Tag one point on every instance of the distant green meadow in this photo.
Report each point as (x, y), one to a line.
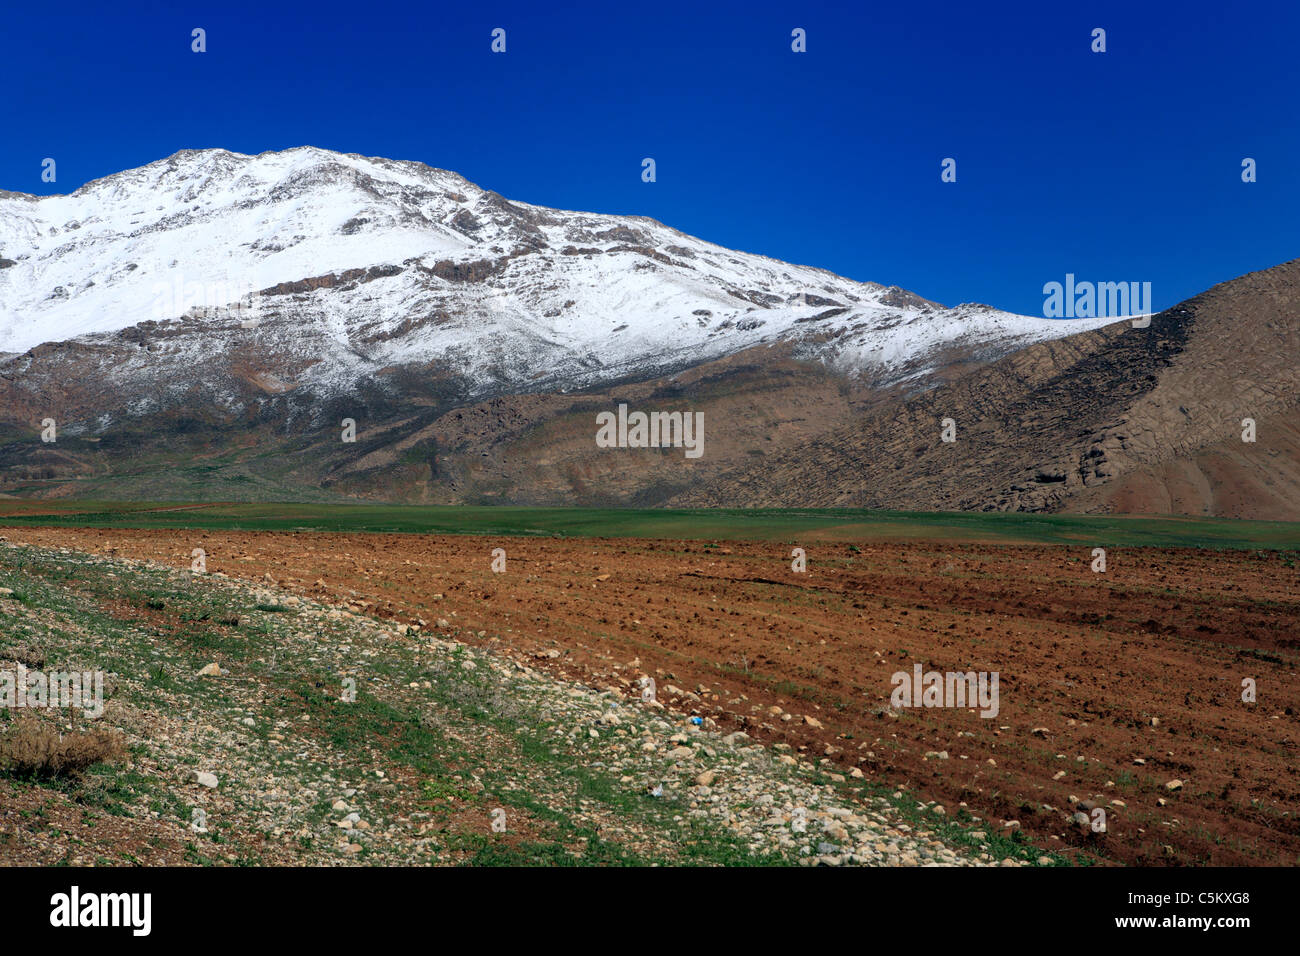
(831, 524)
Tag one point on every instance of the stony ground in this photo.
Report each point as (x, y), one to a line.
(245, 747)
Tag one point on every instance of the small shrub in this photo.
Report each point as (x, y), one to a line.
(31, 656)
(34, 748)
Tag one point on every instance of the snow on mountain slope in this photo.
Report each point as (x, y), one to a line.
(352, 265)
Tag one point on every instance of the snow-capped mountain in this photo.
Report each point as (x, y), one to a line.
(203, 327)
(324, 269)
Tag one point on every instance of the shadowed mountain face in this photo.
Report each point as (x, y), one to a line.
(1122, 419)
(202, 327)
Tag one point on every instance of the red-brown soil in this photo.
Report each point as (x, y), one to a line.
(1142, 662)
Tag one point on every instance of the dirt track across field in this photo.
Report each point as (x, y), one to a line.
(1119, 690)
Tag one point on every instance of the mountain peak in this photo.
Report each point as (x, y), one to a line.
(517, 289)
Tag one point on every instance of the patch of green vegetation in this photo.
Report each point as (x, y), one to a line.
(831, 524)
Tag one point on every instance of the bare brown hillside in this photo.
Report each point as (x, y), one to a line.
(1120, 419)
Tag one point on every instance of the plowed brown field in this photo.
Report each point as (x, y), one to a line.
(1097, 671)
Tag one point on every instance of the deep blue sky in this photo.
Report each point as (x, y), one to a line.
(1123, 166)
